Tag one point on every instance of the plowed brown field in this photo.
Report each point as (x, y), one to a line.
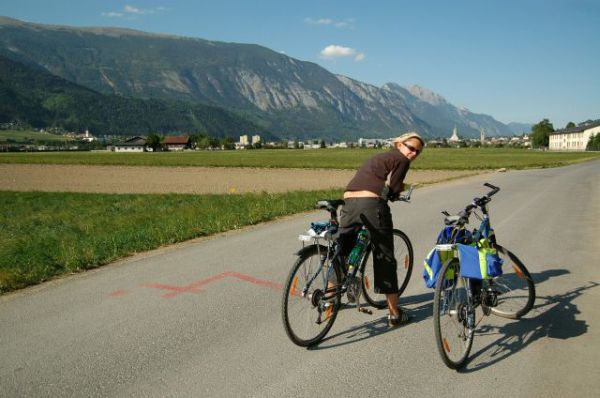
(197, 180)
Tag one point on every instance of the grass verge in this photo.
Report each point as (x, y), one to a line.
(45, 235)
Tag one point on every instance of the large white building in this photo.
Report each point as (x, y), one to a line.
(575, 138)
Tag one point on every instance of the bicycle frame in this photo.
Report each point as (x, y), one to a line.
(333, 258)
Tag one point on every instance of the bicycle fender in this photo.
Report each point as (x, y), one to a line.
(305, 249)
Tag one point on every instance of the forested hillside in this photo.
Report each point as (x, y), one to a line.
(32, 96)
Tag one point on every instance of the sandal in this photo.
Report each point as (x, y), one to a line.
(399, 320)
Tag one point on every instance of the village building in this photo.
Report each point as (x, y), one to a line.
(177, 142)
(454, 137)
(375, 142)
(246, 141)
(574, 138)
(87, 136)
(134, 144)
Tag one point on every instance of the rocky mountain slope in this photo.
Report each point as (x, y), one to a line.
(289, 97)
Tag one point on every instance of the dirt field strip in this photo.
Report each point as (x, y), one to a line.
(193, 180)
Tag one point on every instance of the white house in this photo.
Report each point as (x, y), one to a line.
(575, 138)
(135, 144)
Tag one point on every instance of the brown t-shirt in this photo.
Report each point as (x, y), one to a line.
(373, 174)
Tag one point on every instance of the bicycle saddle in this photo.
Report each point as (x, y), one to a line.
(329, 203)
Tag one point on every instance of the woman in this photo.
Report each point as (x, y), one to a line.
(380, 179)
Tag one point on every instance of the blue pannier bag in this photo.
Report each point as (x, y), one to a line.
(433, 264)
(480, 261)
(436, 258)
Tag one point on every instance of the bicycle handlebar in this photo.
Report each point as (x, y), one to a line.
(463, 216)
(406, 198)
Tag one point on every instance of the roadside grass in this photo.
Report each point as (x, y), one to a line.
(45, 235)
(431, 158)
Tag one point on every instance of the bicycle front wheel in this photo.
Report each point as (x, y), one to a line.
(453, 316)
(403, 253)
(311, 297)
(514, 289)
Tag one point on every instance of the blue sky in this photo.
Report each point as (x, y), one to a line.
(518, 61)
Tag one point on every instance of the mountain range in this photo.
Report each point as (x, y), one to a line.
(274, 92)
(32, 96)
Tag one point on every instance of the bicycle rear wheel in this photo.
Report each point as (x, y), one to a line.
(403, 253)
(515, 289)
(453, 316)
(309, 307)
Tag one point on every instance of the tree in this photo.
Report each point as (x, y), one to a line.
(228, 143)
(154, 141)
(594, 143)
(540, 133)
(570, 125)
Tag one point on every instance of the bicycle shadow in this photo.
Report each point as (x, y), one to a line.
(378, 326)
(555, 319)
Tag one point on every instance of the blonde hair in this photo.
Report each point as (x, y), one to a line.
(407, 136)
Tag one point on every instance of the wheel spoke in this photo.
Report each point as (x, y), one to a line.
(403, 254)
(307, 312)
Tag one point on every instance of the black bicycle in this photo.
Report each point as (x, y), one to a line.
(313, 291)
(509, 295)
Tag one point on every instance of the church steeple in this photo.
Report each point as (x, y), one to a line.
(454, 135)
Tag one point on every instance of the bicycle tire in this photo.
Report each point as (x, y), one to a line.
(301, 312)
(515, 287)
(403, 253)
(451, 301)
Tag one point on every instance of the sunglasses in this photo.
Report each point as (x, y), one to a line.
(412, 148)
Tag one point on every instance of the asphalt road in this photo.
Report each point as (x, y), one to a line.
(203, 318)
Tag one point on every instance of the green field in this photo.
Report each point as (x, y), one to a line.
(20, 136)
(431, 159)
(44, 235)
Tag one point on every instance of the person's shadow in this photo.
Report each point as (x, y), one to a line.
(422, 310)
(555, 319)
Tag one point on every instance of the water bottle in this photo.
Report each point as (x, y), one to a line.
(358, 250)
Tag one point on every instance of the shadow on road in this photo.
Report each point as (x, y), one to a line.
(379, 326)
(555, 318)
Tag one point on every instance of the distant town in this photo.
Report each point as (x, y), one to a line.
(574, 138)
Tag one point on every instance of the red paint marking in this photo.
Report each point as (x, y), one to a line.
(119, 293)
(256, 281)
(195, 286)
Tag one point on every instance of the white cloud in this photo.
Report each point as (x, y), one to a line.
(135, 10)
(347, 23)
(131, 12)
(334, 51)
(112, 14)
